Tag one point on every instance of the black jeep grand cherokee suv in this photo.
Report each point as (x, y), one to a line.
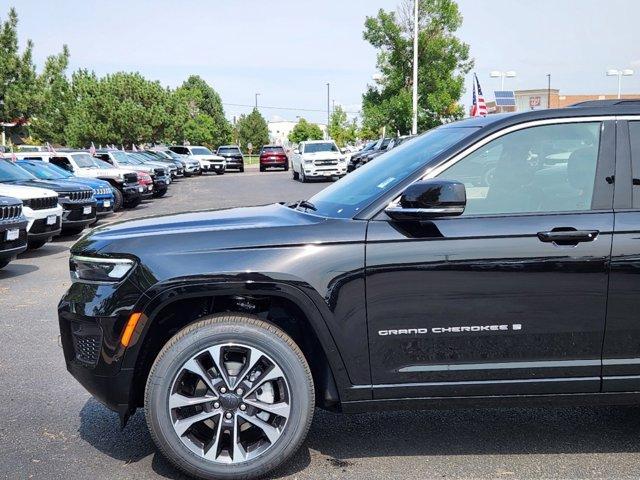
(413, 282)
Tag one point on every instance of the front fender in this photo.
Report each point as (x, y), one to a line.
(163, 294)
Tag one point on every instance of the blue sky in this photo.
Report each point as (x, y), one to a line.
(287, 50)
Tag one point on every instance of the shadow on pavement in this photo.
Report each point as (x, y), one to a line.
(49, 249)
(16, 270)
(100, 427)
(345, 438)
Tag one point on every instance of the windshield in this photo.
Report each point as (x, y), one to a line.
(200, 151)
(102, 164)
(228, 150)
(320, 147)
(10, 172)
(83, 160)
(348, 196)
(42, 170)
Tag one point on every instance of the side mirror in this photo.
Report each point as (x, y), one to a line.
(428, 199)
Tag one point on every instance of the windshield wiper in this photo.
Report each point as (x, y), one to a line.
(304, 204)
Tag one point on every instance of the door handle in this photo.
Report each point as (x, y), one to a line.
(568, 236)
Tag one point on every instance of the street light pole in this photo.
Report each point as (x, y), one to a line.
(328, 111)
(502, 75)
(414, 123)
(548, 90)
(257, 100)
(619, 73)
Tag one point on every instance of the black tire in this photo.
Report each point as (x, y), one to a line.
(35, 244)
(206, 333)
(160, 193)
(241, 169)
(118, 199)
(295, 174)
(133, 203)
(4, 263)
(200, 172)
(286, 168)
(262, 169)
(303, 177)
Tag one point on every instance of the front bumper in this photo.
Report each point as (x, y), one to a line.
(90, 331)
(43, 224)
(131, 192)
(235, 163)
(104, 206)
(325, 171)
(9, 249)
(78, 214)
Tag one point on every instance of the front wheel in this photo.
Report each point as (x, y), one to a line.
(118, 199)
(229, 397)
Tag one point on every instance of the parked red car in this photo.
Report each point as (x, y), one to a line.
(146, 184)
(273, 156)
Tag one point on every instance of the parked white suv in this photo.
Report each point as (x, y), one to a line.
(40, 207)
(209, 161)
(124, 181)
(318, 159)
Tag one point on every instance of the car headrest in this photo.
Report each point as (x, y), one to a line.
(580, 168)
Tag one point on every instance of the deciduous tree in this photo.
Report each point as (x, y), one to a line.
(252, 129)
(442, 58)
(304, 130)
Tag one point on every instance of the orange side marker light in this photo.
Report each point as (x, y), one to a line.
(130, 328)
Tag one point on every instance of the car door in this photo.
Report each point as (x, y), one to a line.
(296, 159)
(509, 297)
(621, 351)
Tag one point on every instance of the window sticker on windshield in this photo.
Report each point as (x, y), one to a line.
(385, 183)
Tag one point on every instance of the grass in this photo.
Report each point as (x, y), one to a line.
(251, 159)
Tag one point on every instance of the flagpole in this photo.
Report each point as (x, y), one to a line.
(414, 126)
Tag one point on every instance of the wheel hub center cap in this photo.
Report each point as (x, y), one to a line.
(230, 401)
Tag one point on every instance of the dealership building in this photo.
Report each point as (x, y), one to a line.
(543, 98)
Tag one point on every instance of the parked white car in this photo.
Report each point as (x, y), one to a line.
(40, 207)
(209, 161)
(318, 159)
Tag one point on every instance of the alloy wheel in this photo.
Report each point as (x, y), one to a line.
(229, 403)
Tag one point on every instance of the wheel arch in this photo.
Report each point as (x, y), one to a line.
(173, 307)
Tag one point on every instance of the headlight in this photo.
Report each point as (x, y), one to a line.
(308, 161)
(91, 269)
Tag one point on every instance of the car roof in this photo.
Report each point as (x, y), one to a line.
(590, 108)
(317, 141)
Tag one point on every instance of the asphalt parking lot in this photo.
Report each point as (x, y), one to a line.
(51, 428)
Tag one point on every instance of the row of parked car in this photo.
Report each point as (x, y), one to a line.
(374, 149)
(48, 193)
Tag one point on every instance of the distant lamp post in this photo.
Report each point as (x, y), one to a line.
(627, 72)
(502, 75)
(257, 100)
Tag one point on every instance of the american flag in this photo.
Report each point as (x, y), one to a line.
(50, 149)
(92, 149)
(478, 107)
(133, 147)
(13, 155)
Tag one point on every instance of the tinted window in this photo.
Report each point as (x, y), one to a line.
(272, 150)
(62, 162)
(200, 151)
(320, 147)
(349, 195)
(180, 150)
(634, 132)
(228, 150)
(549, 168)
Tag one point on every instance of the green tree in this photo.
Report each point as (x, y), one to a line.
(303, 130)
(18, 86)
(443, 60)
(340, 129)
(189, 105)
(119, 108)
(48, 124)
(252, 129)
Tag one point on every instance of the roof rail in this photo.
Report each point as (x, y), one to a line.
(607, 103)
